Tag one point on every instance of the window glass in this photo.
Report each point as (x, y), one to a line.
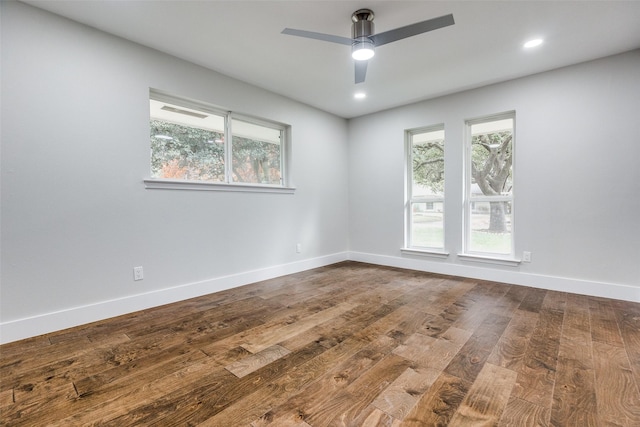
(489, 204)
(426, 188)
(191, 142)
(186, 144)
(482, 239)
(256, 153)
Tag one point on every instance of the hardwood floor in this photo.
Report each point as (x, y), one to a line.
(345, 345)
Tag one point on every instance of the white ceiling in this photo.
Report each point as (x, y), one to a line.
(242, 39)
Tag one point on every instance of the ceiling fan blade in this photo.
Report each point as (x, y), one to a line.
(361, 71)
(318, 36)
(412, 30)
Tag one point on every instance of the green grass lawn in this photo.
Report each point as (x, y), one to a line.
(428, 233)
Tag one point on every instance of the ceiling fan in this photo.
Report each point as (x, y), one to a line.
(363, 41)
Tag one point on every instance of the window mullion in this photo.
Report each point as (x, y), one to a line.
(228, 149)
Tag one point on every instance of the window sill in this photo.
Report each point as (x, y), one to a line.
(170, 184)
(425, 252)
(511, 262)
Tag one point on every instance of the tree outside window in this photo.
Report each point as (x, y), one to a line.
(489, 206)
(192, 144)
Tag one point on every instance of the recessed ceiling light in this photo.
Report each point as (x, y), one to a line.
(533, 43)
(359, 95)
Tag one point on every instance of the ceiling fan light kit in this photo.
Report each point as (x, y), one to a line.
(363, 41)
(363, 49)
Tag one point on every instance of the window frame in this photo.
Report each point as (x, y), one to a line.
(467, 253)
(410, 200)
(228, 184)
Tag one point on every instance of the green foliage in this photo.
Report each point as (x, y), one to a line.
(256, 161)
(190, 153)
(428, 165)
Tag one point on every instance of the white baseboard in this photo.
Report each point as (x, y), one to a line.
(15, 330)
(505, 275)
(49, 322)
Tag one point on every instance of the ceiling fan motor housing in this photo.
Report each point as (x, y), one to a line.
(362, 23)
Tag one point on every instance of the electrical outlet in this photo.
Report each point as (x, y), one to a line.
(138, 273)
(526, 256)
(299, 248)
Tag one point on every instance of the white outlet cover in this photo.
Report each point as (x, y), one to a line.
(138, 273)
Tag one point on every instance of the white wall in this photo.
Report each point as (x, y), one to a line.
(577, 178)
(76, 217)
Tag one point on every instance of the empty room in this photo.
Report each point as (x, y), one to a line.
(320, 213)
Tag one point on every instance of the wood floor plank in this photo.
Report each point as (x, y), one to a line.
(6, 398)
(415, 347)
(577, 323)
(403, 393)
(438, 405)
(510, 349)
(574, 394)
(333, 368)
(349, 344)
(533, 300)
(604, 326)
(60, 358)
(261, 326)
(628, 317)
(332, 383)
(29, 347)
(487, 397)
(210, 397)
(510, 301)
(345, 407)
(554, 300)
(252, 363)
(374, 417)
(439, 353)
(475, 311)
(269, 337)
(520, 413)
(109, 382)
(536, 376)
(342, 327)
(468, 362)
(618, 397)
(32, 400)
(257, 407)
(120, 397)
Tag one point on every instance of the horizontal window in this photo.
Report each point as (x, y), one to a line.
(198, 143)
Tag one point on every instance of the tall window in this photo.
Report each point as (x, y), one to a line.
(489, 185)
(195, 142)
(425, 188)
